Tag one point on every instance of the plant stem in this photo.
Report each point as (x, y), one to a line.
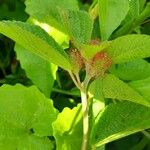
(147, 134)
(85, 108)
(74, 80)
(65, 92)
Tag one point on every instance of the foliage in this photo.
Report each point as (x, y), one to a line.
(105, 80)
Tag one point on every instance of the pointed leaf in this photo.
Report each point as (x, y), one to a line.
(36, 40)
(119, 120)
(111, 13)
(78, 25)
(130, 47)
(117, 89)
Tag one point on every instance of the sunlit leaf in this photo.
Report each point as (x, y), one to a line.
(68, 129)
(48, 11)
(130, 47)
(36, 40)
(26, 116)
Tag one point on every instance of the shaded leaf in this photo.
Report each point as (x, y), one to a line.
(111, 13)
(133, 23)
(134, 70)
(41, 72)
(16, 14)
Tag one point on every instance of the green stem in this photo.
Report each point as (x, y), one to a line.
(74, 80)
(65, 92)
(85, 108)
(147, 134)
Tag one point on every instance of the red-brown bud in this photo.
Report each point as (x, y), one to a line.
(95, 42)
(76, 60)
(98, 65)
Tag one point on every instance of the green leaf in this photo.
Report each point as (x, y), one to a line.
(96, 93)
(101, 148)
(133, 23)
(63, 15)
(142, 3)
(111, 13)
(36, 40)
(48, 11)
(26, 116)
(145, 14)
(142, 86)
(129, 47)
(29, 142)
(119, 120)
(34, 143)
(78, 25)
(117, 89)
(41, 72)
(134, 8)
(134, 70)
(88, 51)
(68, 129)
(134, 11)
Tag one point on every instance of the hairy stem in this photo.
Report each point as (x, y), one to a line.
(85, 106)
(74, 80)
(85, 119)
(77, 94)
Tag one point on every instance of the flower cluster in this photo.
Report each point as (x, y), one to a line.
(94, 67)
(98, 65)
